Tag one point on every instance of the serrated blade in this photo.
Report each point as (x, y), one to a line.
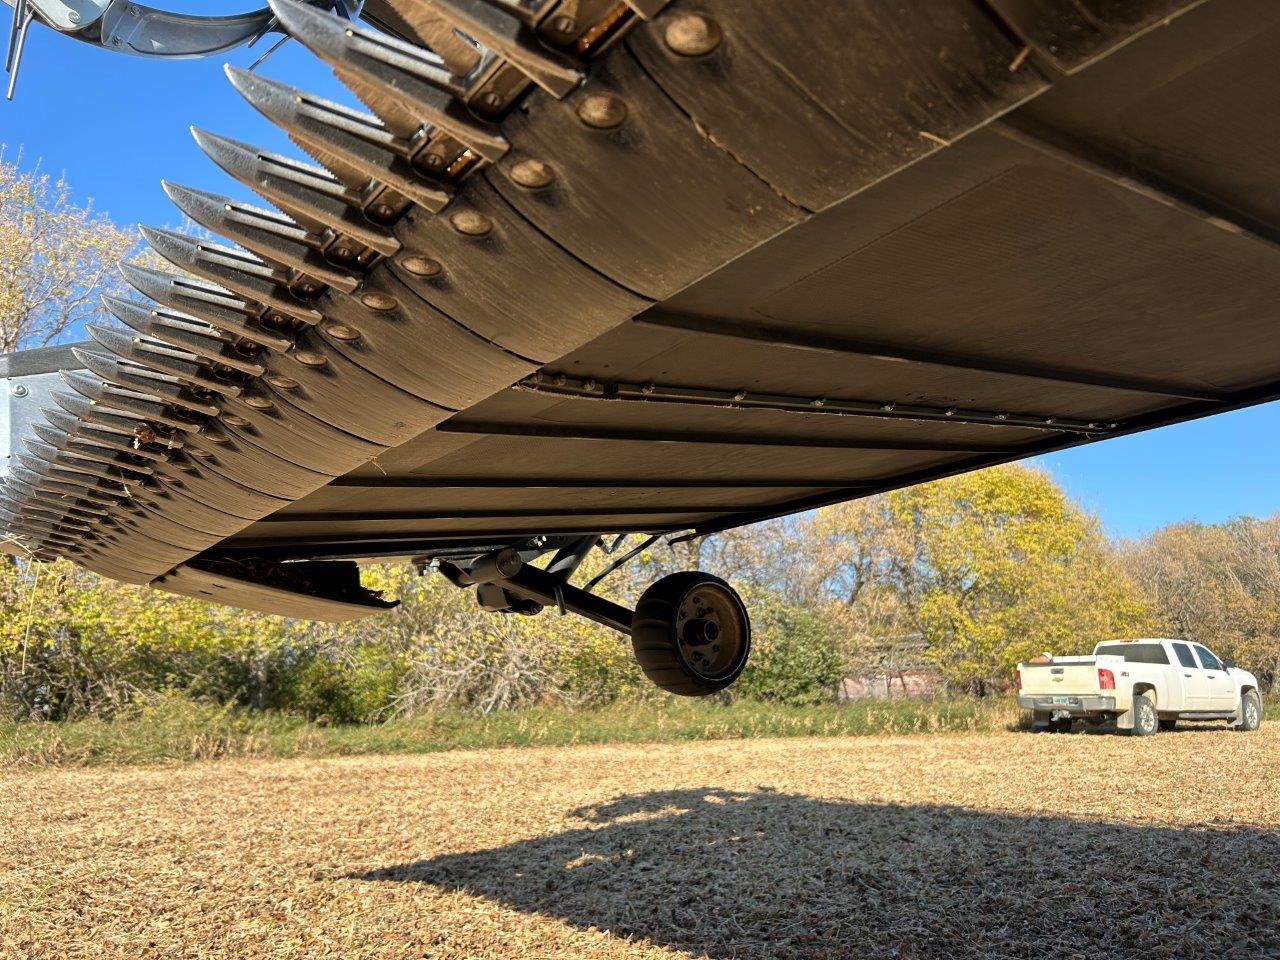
(306, 193)
(233, 269)
(268, 235)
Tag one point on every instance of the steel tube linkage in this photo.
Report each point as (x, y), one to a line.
(562, 385)
(505, 569)
(899, 353)
(754, 439)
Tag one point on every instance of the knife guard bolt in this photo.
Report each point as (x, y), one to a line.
(310, 358)
(257, 402)
(602, 111)
(532, 174)
(472, 223)
(340, 331)
(378, 301)
(283, 383)
(693, 35)
(421, 266)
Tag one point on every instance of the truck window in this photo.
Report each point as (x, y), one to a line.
(1208, 659)
(1134, 652)
(1185, 656)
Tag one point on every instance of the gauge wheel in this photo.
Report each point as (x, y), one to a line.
(691, 634)
(1250, 712)
(1146, 721)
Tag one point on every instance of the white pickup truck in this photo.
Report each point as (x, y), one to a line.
(1143, 685)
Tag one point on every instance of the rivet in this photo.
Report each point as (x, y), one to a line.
(433, 161)
(340, 331)
(491, 101)
(284, 383)
(257, 402)
(421, 266)
(231, 420)
(693, 35)
(18, 390)
(564, 24)
(73, 17)
(532, 174)
(343, 253)
(310, 358)
(200, 454)
(472, 223)
(382, 210)
(602, 110)
(887, 408)
(378, 301)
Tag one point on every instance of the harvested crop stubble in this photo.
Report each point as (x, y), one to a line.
(988, 845)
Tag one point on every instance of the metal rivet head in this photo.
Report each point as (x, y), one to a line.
(284, 383)
(564, 25)
(231, 420)
(340, 331)
(382, 210)
(433, 161)
(693, 35)
(200, 454)
(378, 301)
(471, 223)
(491, 101)
(310, 358)
(532, 174)
(18, 390)
(73, 17)
(343, 253)
(257, 402)
(602, 110)
(421, 266)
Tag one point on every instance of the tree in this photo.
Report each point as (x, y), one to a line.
(56, 257)
(1216, 584)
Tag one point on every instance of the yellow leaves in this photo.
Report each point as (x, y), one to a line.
(56, 256)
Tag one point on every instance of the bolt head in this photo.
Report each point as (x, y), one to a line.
(310, 358)
(340, 331)
(18, 390)
(602, 111)
(231, 420)
(283, 383)
(378, 301)
(257, 402)
(693, 35)
(532, 174)
(471, 222)
(73, 17)
(421, 266)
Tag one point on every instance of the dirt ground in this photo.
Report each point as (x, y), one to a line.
(987, 845)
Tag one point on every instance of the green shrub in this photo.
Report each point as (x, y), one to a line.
(795, 656)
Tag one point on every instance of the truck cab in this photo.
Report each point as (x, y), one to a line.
(1143, 686)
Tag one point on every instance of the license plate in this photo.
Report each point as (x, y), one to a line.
(1061, 699)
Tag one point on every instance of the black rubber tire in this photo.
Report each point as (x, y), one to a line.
(656, 642)
(1146, 721)
(1168, 726)
(1061, 725)
(1250, 699)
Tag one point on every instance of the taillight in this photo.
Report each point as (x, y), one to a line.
(1106, 679)
(1017, 678)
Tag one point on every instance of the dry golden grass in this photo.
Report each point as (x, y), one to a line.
(988, 845)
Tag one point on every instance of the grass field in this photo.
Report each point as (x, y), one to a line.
(997, 844)
(176, 729)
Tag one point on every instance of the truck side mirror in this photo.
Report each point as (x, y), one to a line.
(1228, 663)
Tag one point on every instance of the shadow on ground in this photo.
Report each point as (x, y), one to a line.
(762, 874)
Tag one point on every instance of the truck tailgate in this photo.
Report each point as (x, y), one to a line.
(1075, 677)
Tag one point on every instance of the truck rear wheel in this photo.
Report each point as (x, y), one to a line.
(1250, 712)
(1146, 721)
(1168, 725)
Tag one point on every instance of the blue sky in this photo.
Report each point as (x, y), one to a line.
(116, 125)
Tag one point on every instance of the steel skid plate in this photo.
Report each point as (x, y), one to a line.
(662, 268)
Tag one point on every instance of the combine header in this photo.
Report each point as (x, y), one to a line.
(591, 268)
